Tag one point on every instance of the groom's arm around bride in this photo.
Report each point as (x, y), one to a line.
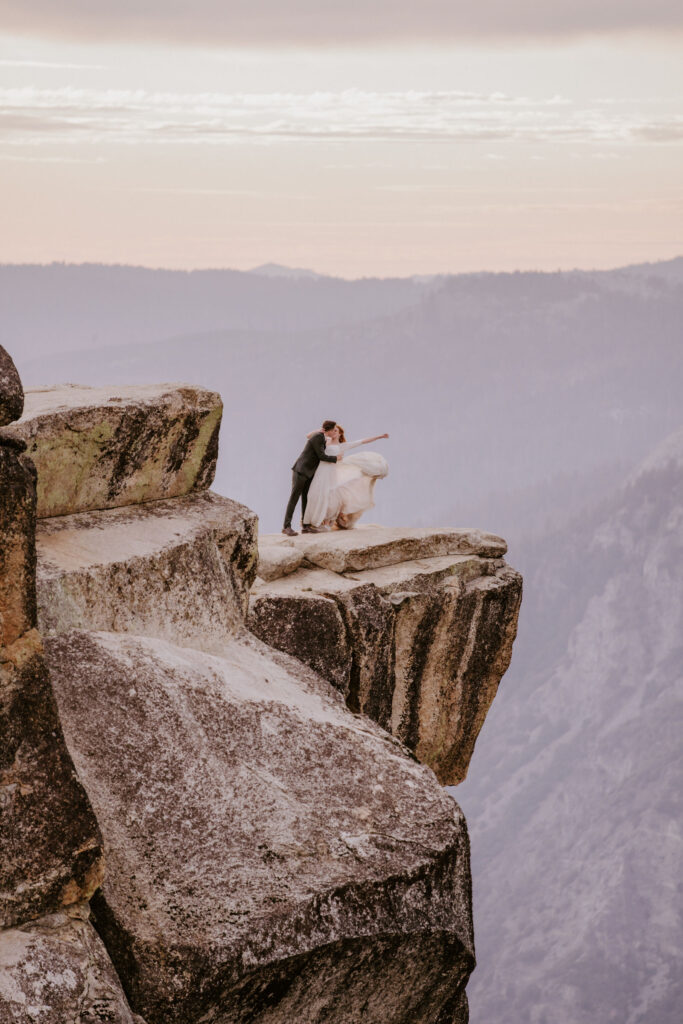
(303, 472)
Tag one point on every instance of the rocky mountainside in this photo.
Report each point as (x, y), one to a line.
(196, 826)
(574, 798)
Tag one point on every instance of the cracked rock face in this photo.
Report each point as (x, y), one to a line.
(426, 641)
(56, 970)
(271, 857)
(11, 391)
(98, 448)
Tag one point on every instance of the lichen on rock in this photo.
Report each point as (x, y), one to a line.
(100, 448)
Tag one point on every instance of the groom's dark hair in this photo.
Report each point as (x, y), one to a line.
(329, 424)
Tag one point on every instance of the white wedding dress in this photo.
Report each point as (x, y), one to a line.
(344, 488)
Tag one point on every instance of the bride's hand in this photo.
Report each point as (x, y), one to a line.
(385, 435)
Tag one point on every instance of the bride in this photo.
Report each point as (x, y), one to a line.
(341, 491)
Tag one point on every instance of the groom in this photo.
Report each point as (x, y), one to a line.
(303, 472)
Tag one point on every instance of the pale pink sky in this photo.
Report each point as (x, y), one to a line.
(353, 143)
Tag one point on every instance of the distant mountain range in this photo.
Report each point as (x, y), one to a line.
(489, 384)
(278, 270)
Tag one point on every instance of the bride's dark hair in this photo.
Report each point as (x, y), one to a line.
(342, 435)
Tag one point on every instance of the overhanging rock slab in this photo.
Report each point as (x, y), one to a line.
(98, 448)
(428, 639)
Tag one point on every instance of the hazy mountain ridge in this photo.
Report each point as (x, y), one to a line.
(487, 383)
(581, 760)
(56, 307)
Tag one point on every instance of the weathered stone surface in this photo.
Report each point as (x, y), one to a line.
(56, 971)
(50, 853)
(17, 545)
(271, 856)
(11, 391)
(178, 569)
(428, 639)
(277, 559)
(452, 648)
(310, 627)
(98, 448)
(370, 547)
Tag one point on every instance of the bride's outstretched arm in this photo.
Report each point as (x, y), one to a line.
(356, 444)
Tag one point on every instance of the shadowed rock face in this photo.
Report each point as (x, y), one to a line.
(11, 391)
(17, 544)
(49, 842)
(426, 641)
(257, 835)
(50, 852)
(56, 970)
(100, 448)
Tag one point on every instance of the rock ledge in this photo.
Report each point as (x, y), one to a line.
(414, 626)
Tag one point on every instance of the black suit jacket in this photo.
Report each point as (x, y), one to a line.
(313, 453)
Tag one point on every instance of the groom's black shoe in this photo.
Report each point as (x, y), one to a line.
(311, 529)
(290, 532)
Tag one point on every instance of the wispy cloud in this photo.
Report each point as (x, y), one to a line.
(273, 23)
(25, 158)
(31, 116)
(51, 64)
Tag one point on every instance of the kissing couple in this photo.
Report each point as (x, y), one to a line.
(335, 488)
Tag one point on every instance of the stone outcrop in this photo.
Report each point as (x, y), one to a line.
(419, 645)
(175, 569)
(11, 391)
(272, 853)
(98, 448)
(268, 852)
(56, 970)
(50, 852)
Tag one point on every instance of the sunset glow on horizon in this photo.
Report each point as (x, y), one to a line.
(353, 157)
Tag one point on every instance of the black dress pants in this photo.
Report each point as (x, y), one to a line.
(300, 486)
